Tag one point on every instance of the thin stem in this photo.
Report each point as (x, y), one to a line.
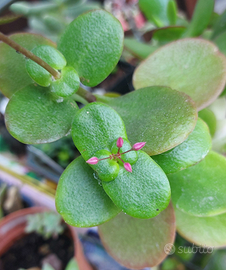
(29, 55)
(121, 160)
(104, 158)
(86, 95)
(127, 151)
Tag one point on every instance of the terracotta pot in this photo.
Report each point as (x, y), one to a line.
(12, 228)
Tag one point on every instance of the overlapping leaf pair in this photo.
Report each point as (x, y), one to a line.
(40, 114)
(97, 131)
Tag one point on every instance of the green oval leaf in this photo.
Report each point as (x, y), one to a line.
(93, 44)
(52, 57)
(137, 243)
(80, 199)
(144, 193)
(201, 18)
(95, 127)
(192, 66)
(11, 61)
(203, 231)
(35, 115)
(200, 190)
(209, 117)
(188, 153)
(166, 117)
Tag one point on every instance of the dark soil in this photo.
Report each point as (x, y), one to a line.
(31, 249)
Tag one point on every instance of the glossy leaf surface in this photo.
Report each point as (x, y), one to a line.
(155, 11)
(144, 193)
(139, 49)
(201, 18)
(80, 198)
(192, 66)
(203, 231)
(106, 169)
(12, 65)
(92, 44)
(200, 190)
(189, 152)
(52, 57)
(209, 117)
(95, 127)
(34, 115)
(137, 243)
(68, 84)
(159, 116)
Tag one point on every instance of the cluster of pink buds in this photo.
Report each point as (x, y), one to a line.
(119, 143)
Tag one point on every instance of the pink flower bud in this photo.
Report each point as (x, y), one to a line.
(119, 142)
(92, 160)
(128, 167)
(138, 146)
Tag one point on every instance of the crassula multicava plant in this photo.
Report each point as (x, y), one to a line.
(145, 156)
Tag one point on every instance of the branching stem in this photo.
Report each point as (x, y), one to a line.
(29, 55)
(86, 95)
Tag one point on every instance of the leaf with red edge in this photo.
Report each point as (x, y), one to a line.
(202, 231)
(193, 66)
(157, 115)
(138, 243)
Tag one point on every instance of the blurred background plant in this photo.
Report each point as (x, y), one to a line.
(47, 224)
(50, 18)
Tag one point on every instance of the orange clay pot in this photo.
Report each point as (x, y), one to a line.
(12, 228)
